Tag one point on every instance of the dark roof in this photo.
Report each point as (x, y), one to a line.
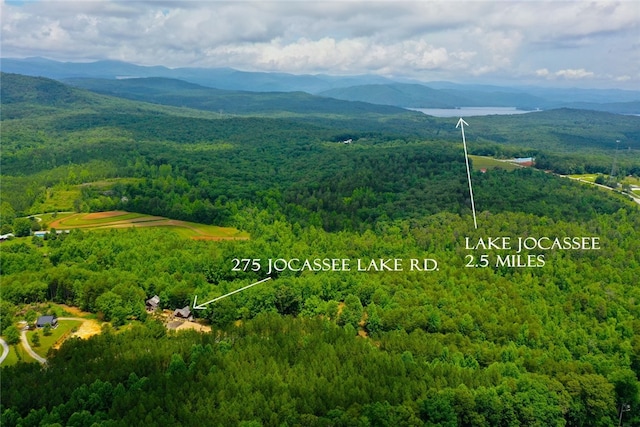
(43, 320)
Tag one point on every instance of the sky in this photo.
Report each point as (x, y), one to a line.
(545, 43)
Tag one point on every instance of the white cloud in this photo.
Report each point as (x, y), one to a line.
(432, 39)
(574, 74)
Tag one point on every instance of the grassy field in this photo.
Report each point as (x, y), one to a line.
(482, 162)
(61, 197)
(122, 219)
(631, 180)
(50, 217)
(101, 218)
(57, 199)
(589, 177)
(13, 358)
(60, 333)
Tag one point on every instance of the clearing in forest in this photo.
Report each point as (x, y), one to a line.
(122, 219)
(488, 163)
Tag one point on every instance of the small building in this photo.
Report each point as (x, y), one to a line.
(153, 303)
(7, 236)
(524, 161)
(47, 320)
(183, 313)
(40, 233)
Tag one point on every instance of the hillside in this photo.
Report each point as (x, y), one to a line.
(401, 95)
(367, 88)
(421, 96)
(365, 295)
(25, 97)
(297, 157)
(182, 94)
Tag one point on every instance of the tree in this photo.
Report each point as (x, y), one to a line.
(46, 330)
(22, 227)
(35, 339)
(7, 214)
(351, 311)
(12, 335)
(30, 316)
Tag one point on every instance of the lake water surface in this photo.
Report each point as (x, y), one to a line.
(469, 111)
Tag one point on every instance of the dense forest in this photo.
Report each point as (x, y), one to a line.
(553, 343)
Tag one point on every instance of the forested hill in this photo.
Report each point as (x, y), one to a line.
(300, 164)
(417, 321)
(421, 96)
(42, 99)
(368, 88)
(183, 94)
(449, 95)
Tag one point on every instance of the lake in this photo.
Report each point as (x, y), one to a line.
(469, 111)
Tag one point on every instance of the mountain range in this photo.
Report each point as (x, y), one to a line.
(364, 88)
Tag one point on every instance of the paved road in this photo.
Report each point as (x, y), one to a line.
(5, 350)
(27, 347)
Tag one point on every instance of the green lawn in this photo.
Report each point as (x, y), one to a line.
(12, 357)
(63, 329)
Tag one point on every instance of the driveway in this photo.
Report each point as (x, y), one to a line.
(5, 350)
(27, 347)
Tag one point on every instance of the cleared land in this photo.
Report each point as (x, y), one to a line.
(122, 219)
(57, 199)
(488, 163)
(588, 177)
(62, 197)
(58, 335)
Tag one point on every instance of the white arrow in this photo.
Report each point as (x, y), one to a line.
(461, 124)
(203, 306)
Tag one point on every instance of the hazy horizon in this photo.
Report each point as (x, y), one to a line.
(540, 43)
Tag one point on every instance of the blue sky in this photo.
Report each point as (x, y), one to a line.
(561, 43)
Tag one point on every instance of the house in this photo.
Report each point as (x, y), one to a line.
(7, 236)
(40, 233)
(152, 303)
(46, 320)
(183, 313)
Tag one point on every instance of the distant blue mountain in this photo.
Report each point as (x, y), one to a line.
(220, 78)
(365, 88)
